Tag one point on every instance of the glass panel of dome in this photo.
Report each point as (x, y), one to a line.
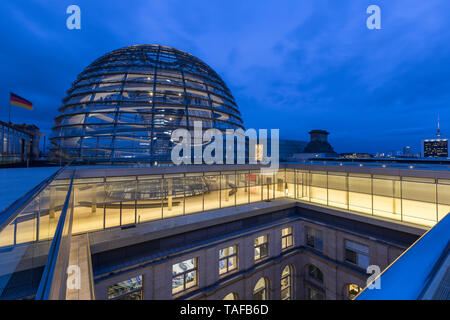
(162, 88)
(113, 77)
(197, 93)
(109, 86)
(95, 129)
(102, 96)
(147, 77)
(206, 123)
(83, 89)
(72, 131)
(95, 142)
(100, 118)
(169, 74)
(75, 119)
(199, 112)
(100, 108)
(195, 84)
(130, 86)
(79, 99)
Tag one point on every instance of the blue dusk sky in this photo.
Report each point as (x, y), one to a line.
(293, 65)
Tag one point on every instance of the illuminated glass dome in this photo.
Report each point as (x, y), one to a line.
(125, 105)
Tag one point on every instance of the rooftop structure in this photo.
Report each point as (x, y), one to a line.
(437, 147)
(319, 143)
(19, 142)
(125, 105)
(124, 224)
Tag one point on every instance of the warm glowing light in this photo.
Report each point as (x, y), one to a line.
(259, 148)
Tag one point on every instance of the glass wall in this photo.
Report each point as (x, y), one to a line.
(422, 201)
(24, 244)
(107, 202)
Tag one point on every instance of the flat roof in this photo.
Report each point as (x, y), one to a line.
(413, 170)
(15, 182)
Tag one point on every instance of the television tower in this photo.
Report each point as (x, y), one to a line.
(438, 133)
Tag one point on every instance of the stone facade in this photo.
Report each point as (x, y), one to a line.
(337, 272)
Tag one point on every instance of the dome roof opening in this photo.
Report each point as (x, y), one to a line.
(125, 105)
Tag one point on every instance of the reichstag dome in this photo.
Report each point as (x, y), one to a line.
(125, 105)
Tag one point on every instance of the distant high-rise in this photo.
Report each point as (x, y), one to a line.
(435, 148)
(406, 151)
(438, 133)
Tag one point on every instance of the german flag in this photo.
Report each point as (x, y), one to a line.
(16, 100)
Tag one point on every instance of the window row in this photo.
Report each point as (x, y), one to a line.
(185, 275)
(355, 253)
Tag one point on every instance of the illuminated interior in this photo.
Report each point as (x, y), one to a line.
(108, 202)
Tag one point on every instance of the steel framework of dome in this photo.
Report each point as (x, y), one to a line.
(125, 105)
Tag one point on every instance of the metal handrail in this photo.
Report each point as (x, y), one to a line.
(90, 269)
(10, 213)
(45, 286)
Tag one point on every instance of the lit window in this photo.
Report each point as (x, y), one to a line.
(286, 283)
(315, 273)
(126, 290)
(260, 290)
(227, 260)
(287, 239)
(184, 275)
(231, 296)
(352, 290)
(261, 247)
(357, 254)
(314, 238)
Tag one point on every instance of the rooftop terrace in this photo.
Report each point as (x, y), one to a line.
(78, 200)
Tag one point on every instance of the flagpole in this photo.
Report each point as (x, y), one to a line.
(9, 116)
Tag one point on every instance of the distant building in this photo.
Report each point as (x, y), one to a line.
(18, 142)
(435, 148)
(355, 155)
(406, 151)
(318, 147)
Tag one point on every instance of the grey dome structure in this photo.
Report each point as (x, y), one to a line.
(125, 105)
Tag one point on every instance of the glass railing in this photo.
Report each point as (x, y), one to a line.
(68, 272)
(53, 282)
(25, 229)
(97, 198)
(421, 272)
(121, 199)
